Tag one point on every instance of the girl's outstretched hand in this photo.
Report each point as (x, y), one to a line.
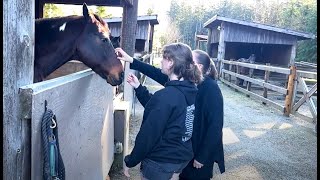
(121, 55)
(133, 80)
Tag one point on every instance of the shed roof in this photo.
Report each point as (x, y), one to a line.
(152, 18)
(115, 3)
(215, 20)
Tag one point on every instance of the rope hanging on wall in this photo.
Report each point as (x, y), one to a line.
(53, 166)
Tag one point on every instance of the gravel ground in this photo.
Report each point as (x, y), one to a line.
(259, 142)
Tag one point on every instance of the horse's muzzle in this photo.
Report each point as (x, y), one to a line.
(114, 81)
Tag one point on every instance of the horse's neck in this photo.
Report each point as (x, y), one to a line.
(53, 53)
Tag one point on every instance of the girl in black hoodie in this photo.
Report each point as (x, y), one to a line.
(208, 124)
(163, 143)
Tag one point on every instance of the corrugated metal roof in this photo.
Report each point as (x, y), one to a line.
(217, 19)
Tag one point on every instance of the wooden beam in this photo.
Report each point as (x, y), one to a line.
(258, 82)
(221, 49)
(293, 54)
(18, 55)
(261, 67)
(307, 74)
(128, 34)
(289, 96)
(209, 50)
(253, 95)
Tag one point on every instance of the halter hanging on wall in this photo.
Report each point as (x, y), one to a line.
(53, 166)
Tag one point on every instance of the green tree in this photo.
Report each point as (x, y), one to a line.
(150, 11)
(51, 10)
(103, 12)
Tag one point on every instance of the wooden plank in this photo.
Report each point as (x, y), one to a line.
(258, 82)
(83, 105)
(18, 55)
(259, 66)
(253, 95)
(288, 100)
(307, 74)
(209, 42)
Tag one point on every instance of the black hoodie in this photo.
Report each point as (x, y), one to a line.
(166, 129)
(208, 123)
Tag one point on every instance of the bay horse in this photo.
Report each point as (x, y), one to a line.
(85, 38)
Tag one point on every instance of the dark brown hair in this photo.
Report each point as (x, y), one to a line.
(183, 65)
(208, 67)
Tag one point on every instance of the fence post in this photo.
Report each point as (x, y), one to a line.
(290, 88)
(266, 79)
(230, 69)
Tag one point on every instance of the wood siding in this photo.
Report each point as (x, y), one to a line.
(246, 34)
(142, 30)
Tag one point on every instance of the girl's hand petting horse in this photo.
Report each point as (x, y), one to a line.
(123, 55)
(133, 81)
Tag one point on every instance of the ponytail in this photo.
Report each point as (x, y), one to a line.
(212, 70)
(193, 74)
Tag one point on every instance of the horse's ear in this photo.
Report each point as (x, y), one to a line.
(85, 12)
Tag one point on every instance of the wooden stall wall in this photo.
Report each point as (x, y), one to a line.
(83, 105)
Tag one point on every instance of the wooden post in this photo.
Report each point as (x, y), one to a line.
(221, 49)
(39, 8)
(289, 96)
(128, 38)
(209, 50)
(238, 72)
(18, 55)
(266, 79)
(230, 69)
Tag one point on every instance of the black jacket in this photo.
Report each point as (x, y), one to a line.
(208, 123)
(166, 129)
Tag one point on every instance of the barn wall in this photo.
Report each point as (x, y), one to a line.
(142, 30)
(215, 35)
(246, 34)
(115, 29)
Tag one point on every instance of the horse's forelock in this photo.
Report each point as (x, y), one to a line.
(102, 26)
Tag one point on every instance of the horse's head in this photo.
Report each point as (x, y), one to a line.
(94, 48)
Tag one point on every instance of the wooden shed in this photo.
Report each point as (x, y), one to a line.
(144, 31)
(234, 39)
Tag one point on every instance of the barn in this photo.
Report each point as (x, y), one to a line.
(272, 76)
(144, 31)
(234, 39)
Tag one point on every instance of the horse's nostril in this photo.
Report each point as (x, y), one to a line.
(122, 75)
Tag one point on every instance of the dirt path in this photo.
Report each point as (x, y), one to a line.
(259, 142)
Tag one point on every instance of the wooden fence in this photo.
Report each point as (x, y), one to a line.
(294, 84)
